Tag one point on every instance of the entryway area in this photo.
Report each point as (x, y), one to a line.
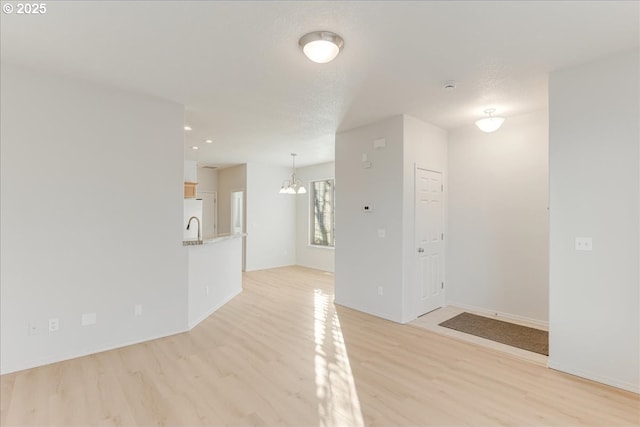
(431, 321)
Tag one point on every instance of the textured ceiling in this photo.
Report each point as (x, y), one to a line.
(237, 67)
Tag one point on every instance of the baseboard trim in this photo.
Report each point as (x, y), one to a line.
(50, 360)
(499, 314)
(214, 309)
(366, 311)
(633, 388)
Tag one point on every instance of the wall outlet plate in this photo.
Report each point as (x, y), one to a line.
(89, 319)
(584, 244)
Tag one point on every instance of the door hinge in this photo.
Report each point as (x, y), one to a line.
(442, 236)
(441, 187)
(441, 285)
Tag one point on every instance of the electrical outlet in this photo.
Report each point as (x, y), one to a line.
(89, 319)
(380, 291)
(584, 244)
(54, 325)
(137, 310)
(382, 233)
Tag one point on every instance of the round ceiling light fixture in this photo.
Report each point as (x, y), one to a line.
(490, 123)
(321, 46)
(449, 86)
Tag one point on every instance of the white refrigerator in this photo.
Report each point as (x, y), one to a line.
(192, 207)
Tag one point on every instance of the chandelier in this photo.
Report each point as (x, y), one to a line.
(293, 186)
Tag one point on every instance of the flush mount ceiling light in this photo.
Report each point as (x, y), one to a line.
(187, 128)
(195, 147)
(490, 123)
(293, 186)
(321, 46)
(209, 141)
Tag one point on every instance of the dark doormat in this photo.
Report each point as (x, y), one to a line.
(504, 332)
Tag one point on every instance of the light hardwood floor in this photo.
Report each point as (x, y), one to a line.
(282, 354)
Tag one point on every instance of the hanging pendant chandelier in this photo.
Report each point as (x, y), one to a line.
(294, 185)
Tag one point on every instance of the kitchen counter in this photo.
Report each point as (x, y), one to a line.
(220, 238)
(214, 274)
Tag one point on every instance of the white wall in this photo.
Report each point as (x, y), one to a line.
(425, 146)
(190, 171)
(594, 140)
(207, 179)
(363, 261)
(207, 190)
(271, 228)
(91, 207)
(497, 244)
(214, 276)
(230, 179)
(307, 255)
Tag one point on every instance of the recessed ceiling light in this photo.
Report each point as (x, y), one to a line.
(321, 46)
(209, 141)
(195, 147)
(187, 128)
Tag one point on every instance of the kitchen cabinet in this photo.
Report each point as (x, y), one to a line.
(190, 190)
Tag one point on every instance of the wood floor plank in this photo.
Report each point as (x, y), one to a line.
(281, 353)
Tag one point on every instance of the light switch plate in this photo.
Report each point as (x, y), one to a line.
(379, 143)
(584, 244)
(382, 233)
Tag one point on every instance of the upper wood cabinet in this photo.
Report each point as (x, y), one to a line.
(190, 190)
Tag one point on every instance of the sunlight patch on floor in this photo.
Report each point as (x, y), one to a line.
(338, 402)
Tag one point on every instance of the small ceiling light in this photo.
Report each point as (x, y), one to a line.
(195, 147)
(321, 46)
(293, 186)
(490, 123)
(187, 128)
(209, 141)
(449, 86)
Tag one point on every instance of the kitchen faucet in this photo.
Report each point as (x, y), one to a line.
(198, 221)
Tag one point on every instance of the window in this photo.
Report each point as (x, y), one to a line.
(322, 207)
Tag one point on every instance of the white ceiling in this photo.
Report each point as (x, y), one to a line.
(238, 69)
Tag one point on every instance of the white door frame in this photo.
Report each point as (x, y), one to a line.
(417, 309)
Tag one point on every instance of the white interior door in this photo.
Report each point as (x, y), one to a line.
(209, 213)
(429, 240)
(236, 212)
